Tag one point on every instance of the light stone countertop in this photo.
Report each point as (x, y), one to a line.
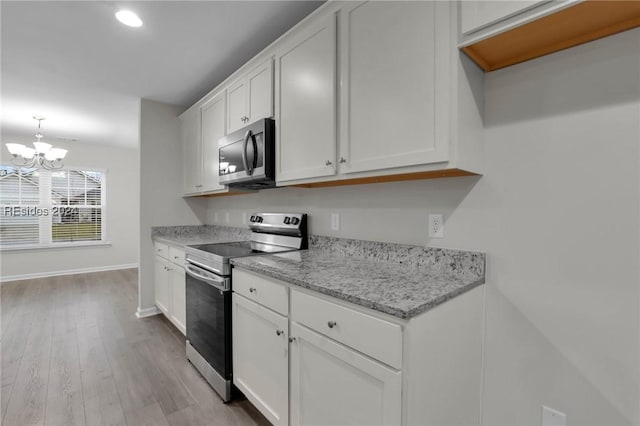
(397, 279)
(401, 290)
(182, 236)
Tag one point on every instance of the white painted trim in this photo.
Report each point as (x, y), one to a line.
(147, 312)
(66, 272)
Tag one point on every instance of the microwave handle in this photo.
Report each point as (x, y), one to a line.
(245, 162)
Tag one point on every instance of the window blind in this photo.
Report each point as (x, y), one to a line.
(49, 207)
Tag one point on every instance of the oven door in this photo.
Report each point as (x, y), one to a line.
(209, 317)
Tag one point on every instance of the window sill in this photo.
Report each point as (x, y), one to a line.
(54, 246)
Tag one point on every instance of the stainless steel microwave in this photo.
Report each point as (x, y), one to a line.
(247, 156)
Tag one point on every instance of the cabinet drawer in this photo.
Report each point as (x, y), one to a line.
(161, 249)
(177, 256)
(372, 336)
(262, 290)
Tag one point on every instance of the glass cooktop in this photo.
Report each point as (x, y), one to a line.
(239, 248)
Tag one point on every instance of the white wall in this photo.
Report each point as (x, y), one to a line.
(161, 187)
(121, 224)
(558, 213)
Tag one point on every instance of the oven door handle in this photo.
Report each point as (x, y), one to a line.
(214, 282)
(245, 161)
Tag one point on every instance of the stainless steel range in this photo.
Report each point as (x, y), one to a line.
(209, 290)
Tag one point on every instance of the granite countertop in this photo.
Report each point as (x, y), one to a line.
(182, 236)
(400, 288)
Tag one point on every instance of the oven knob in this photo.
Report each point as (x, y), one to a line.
(259, 219)
(253, 219)
(287, 220)
(295, 221)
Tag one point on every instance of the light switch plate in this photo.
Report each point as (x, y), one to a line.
(335, 221)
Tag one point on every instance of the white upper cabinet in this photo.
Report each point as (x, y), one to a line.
(306, 101)
(388, 58)
(477, 14)
(366, 91)
(213, 128)
(202, 127)
(409, 104)
(250, 98)
(191, 144)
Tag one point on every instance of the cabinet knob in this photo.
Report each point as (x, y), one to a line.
(332, 324)
(176, 257)
(328, 163)
(279, 332)
(252, 290)
(292, 339)
(342, 160)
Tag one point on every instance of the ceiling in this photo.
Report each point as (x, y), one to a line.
(75, 64)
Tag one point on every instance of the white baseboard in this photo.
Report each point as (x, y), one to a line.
(66, 272)
(147, 312)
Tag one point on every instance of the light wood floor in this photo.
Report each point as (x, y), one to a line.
(73, 353)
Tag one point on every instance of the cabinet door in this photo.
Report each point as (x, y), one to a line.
(260, 358)
(178, 314)
(191, 151)
(306, 99)
(237, 105)
(260, 92)
(213, 128)
(476, 14)
(334, 385)
(388, 88)
(161, 279)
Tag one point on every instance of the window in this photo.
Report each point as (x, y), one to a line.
(48, 208)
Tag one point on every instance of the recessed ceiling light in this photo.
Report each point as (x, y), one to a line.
(129, 18)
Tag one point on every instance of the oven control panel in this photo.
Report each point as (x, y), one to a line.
(283, 223)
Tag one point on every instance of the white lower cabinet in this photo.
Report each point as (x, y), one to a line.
(332, 384)
(178, 313)
(333, 363)
(170, 284)
(162, 286)
(260, 358)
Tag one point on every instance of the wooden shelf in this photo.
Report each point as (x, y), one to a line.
(391, 178)
(578, 24)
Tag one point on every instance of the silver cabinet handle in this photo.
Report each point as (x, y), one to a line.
(332, 324)
(292, 339)
(252, 290)
(328, 163)
(342, 160)
(279, 332)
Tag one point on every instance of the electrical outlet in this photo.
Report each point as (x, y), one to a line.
(335, 222)
(551, 417)
(215, 217)
(226, 217)
(436, 226)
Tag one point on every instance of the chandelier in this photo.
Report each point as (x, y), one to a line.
(41, 155)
